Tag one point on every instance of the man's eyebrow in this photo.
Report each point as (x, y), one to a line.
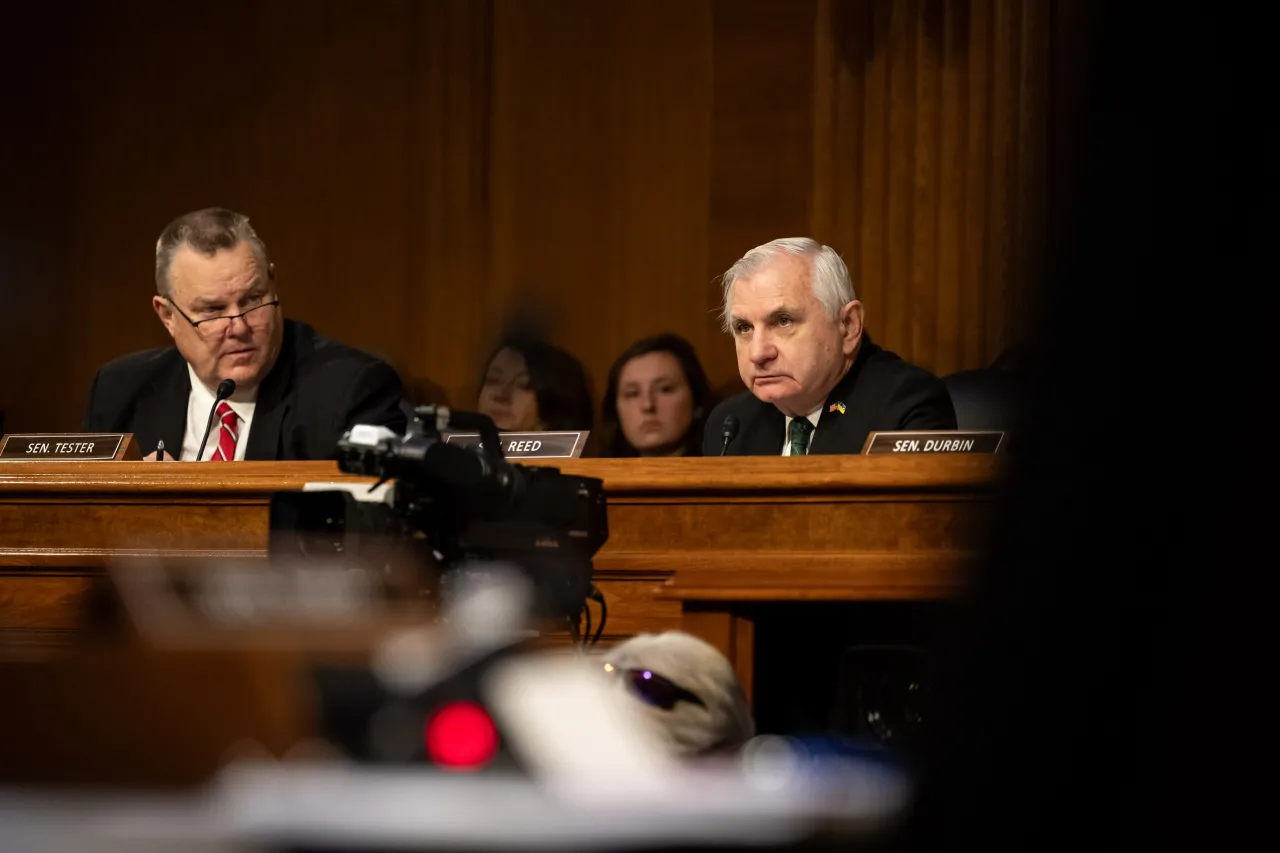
(785, 311)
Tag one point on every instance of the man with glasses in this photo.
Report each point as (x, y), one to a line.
(296, 391)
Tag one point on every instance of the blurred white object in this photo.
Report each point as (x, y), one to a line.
(262, 807)
(409, 661)
(384, 494)
(720, 720)
(770, 761)
(366, 435)
(486, 609)
(487, 606)
(572, 728)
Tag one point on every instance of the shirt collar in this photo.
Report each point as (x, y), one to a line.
(204, 397)
(812, 417)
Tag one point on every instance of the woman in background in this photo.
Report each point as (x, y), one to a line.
(657, 400)
(531, 386)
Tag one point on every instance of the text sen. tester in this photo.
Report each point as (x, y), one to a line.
(37, 447)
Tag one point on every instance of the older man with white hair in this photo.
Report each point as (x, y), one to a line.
(815, 381)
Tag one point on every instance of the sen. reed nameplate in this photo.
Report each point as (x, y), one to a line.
(566, 444)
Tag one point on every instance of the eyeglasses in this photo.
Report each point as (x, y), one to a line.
(652, 688)
(216, 327)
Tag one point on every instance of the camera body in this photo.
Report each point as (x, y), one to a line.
(449, 507)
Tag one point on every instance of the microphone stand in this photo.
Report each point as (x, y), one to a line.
(226, 388)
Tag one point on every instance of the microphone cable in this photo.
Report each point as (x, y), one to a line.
(598, 597)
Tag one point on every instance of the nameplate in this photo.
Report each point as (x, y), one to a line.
(68, 447)
(529, 445)
(934, 441)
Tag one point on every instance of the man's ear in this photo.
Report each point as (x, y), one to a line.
(165, 312)
(851, 326)
(271, 271)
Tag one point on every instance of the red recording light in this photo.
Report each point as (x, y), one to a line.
(461, 736)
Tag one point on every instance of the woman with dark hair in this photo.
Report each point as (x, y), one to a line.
(531, 386)
(657, 400)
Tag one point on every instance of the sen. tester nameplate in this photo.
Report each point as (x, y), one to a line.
(529, 445)
(63, 447)
(934, 441)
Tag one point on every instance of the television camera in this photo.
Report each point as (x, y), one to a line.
(452, 507)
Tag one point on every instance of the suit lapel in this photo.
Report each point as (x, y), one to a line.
(833, 423)
(273, 403)
(761, 434)
(161, 415)
(764, 428)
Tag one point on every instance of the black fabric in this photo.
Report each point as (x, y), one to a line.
(985, 398)
(1109, 682)
(880, 392)
(317, 390)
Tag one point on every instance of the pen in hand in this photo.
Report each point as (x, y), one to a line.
(160, 451)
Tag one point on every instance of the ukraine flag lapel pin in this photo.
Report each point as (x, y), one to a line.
(837, 407)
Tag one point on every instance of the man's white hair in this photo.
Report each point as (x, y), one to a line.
(829, 277)
(723, 722)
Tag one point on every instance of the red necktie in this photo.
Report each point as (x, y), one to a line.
(227, 435)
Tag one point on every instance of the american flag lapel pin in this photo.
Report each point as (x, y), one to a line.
(837, 407)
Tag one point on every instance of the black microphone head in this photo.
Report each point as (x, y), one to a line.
(226, 388)
(730, 427)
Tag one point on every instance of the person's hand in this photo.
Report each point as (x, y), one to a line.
(151, 457)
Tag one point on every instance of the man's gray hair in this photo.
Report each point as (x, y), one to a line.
(723, 722)
(829, 276)
(206, 231)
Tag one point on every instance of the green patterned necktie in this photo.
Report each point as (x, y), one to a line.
(800, 431)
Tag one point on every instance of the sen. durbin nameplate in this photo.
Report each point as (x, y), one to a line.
(934, 441)
(63, 447)
(529, 445)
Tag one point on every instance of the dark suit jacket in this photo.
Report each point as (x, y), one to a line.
(317, 390)
(880, 392)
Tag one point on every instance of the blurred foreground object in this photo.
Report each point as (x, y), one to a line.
(687, 690)
(141, 717)
(262, 807)
(451, 735)
(1105, 685)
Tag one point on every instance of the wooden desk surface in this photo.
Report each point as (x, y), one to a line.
(687, 537)
(768, 474)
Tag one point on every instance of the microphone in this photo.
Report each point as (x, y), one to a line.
(728, 429)
(226, 388)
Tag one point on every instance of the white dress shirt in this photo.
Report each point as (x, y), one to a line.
(786, 432)
(198, 405)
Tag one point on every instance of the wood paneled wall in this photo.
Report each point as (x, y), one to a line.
(422, 171)
(932, 144)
